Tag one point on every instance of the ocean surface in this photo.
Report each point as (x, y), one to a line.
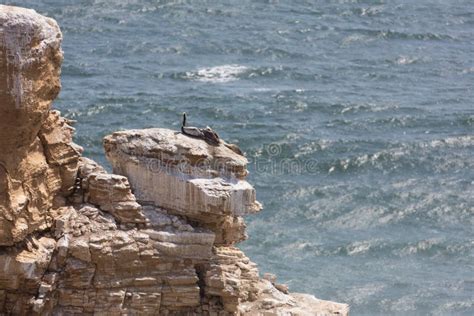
(357, 116)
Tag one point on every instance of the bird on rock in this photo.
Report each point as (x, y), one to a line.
(207, 133)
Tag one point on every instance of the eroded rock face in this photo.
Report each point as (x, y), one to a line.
(76, 240)
(182, 173)
(33, 169)
(205, 185)
(30, 64)
(112, 193)
(186, 176)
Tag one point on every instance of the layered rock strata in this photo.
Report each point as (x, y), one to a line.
(186, 176)
(37, 161)
(156, 238)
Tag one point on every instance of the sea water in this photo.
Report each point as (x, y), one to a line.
(357, 117)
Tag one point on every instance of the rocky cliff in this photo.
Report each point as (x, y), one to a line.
(156, 238)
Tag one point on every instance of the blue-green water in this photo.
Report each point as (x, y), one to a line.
(358, 116)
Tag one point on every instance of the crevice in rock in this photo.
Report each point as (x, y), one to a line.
(201, 273)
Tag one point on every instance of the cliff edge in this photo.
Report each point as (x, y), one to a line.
(156, 238)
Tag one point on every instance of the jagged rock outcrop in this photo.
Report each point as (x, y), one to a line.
(205, 185)
(187, 177)
(37, 160)
(110, 192)
(75, 239)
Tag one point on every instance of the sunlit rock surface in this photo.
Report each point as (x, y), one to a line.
(181, 173)
(186, 176)
(205, 185)
(76, 240)
(33, 169)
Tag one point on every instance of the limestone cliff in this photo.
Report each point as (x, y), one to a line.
(157, 238)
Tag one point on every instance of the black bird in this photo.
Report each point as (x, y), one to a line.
(207, 134)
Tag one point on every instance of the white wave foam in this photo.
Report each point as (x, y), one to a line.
(405, 60)
(468, 70)
(455, 141)
(217, 74)
(420, 246)
(359, 247)
(368, 107)
(262, 89)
